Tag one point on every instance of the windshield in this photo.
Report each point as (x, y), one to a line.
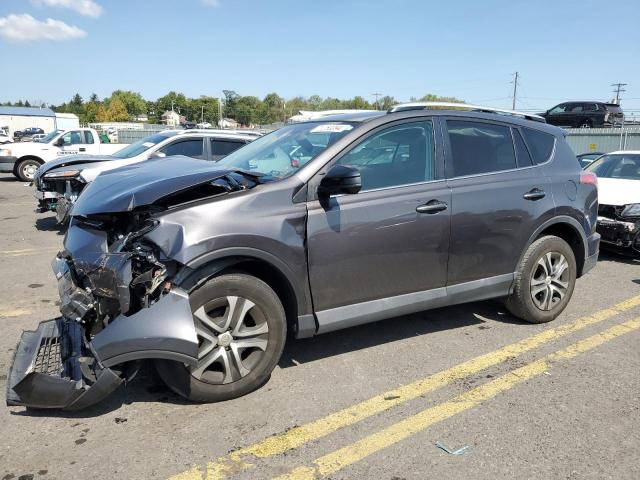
(141, 146)
(626, 166)
(283, 152)
(50, 136)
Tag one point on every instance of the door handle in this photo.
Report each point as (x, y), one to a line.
(82, 149)
(534, 194)
(432, 206)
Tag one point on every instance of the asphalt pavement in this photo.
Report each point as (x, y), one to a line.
(560, 400)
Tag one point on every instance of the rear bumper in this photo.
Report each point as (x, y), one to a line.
(52, 368)
(591, 257)
(7, 164)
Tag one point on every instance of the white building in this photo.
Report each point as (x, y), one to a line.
(67, 121)
(19, 118)
(170, 118)
(228, 123)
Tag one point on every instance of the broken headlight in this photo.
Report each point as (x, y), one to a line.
(63, 174)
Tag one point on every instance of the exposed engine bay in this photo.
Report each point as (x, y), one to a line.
(618, 229)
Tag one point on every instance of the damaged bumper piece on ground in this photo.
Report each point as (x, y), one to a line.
(77, 360)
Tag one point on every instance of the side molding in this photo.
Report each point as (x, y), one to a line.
(374, 310)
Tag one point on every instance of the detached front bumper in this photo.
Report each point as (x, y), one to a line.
(619, 233)
(60, 366)
(7, 164)
(53, 369)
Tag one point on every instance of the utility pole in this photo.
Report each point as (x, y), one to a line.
(618, 90)
(515, 90)
(220, 120)
(377, 95)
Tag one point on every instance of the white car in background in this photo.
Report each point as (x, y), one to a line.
(619, 199)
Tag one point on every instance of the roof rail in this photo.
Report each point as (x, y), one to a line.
(252, 133)
(476, 108)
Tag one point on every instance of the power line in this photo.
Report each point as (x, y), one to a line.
(377, 95)
(515, 90)
(618, 90)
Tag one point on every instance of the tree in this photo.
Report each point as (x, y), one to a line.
(272, 109)
(132, 101)
(115, 112)
(247, 110)
(230, 102)
(430, 97)
(388, 102)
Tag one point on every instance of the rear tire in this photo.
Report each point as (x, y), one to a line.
(544, 281)
(26, 169)
(241, 327)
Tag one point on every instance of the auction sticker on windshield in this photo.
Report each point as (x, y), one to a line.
(332, 128)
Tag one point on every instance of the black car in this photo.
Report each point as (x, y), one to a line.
(315, 227)
(587, 159)
(585, 115)
(27, 132)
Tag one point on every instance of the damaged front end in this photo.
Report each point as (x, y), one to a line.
(117, 308)
(118, 302)
(619, 226)
(57, 192)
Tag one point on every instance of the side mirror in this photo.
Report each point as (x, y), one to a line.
(157, 155)
(59, 142)
(340, 179)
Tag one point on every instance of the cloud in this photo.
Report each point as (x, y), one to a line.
(211, 3)
(88, 8)
(25, 28)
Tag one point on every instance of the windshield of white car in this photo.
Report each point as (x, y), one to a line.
(49, 136)
(285, 151)
(624, 166)
(141, 146)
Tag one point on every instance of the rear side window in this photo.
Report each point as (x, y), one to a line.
(88, 137)
(222, 148)
(540, 144)
(524, 158)
(479, 148)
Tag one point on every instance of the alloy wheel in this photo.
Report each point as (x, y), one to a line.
(549, 280)
(233, 335)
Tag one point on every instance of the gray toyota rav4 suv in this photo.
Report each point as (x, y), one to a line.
(315, 227)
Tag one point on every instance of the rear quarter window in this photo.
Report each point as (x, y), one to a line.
(540, 144)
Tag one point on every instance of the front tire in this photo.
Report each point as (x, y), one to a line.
(26, 169)
(241, 328)
(544, 281)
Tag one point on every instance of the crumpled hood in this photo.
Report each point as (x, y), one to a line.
(67, 160)
(618, 191)
(126, 188)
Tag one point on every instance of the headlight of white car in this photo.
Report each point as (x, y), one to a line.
(5, 152)
(631, 210)
(63, 174)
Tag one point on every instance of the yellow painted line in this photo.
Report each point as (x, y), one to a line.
(280, 443)
(343, 457)
(28, 251)
(16, 312)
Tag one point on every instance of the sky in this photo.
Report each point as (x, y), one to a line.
(562, 49)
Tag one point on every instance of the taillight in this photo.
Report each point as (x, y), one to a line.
(588, 178)
(606, 117)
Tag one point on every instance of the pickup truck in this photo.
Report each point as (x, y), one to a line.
(23, 159)
(60, 182)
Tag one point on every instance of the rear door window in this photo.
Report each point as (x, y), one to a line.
(189, 148)
(479, 148)
(88, 137)
(540, 144)
(222, 148)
